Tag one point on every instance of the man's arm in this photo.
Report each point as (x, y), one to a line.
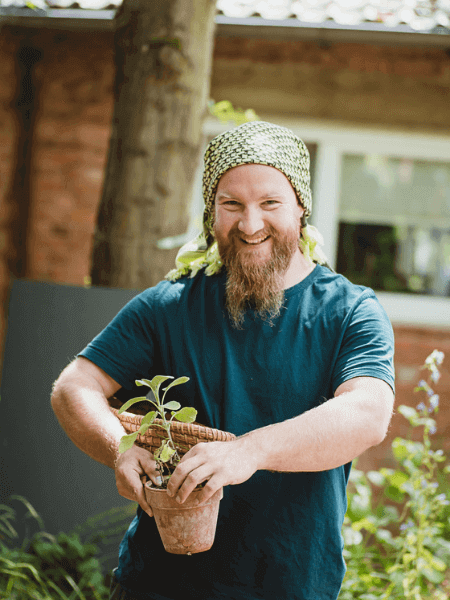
(323, 438)
(80, 402)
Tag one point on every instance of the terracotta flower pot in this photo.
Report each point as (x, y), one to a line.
(184, 528)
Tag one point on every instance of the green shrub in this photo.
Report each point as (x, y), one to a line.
(47, 567)
(400, 548)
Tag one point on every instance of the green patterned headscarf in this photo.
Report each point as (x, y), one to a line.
(256, 142)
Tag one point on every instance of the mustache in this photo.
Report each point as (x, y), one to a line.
(235, 233)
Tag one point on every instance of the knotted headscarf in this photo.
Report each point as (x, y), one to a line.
(256, 142)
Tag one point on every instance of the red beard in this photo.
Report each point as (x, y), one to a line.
(257, 285)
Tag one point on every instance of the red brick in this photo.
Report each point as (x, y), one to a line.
(94, 136)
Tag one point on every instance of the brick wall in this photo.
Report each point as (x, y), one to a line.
(72, 129)
(72, 126)
(8, 135)
(412, 346)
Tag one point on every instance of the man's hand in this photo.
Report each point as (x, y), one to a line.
(131, 468)
(218, 463)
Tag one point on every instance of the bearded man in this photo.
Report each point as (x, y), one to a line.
(281, 351)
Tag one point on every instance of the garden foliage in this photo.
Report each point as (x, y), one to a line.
(397, 548)
(61, 567)
(400, 547)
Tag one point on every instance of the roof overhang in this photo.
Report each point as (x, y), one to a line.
(58, 18)
(249, 27)
(330, 31)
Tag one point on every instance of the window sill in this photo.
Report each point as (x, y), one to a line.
(411, 309)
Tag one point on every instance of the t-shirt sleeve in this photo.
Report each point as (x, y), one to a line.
(124, 349)
(367, 348)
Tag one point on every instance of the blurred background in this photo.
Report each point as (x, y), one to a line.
(365, 84)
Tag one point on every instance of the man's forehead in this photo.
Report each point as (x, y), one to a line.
(270, 180)
(252, 171)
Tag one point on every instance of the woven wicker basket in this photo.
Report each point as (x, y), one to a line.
(184, 435)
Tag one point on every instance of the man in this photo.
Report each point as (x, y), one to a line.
(289, 356)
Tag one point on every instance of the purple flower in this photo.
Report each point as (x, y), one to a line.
(434, 401)
(432, 430)
(421, 406)
(407, 525)
(435, 376)
(422, 383)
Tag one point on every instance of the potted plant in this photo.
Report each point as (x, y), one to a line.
(184, 529)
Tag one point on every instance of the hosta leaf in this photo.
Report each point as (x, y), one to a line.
(127, 441)
(186, 415)
(172, 405)
(131, 402)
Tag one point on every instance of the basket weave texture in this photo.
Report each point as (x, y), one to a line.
(184, 435)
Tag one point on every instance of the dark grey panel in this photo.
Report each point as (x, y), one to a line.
(48, 325)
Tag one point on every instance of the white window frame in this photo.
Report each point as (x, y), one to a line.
(333, 142)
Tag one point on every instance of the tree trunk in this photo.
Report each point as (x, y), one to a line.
(163, 59)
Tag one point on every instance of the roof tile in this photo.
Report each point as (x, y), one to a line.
(422, 15)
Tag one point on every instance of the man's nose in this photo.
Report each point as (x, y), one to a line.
(251, 221)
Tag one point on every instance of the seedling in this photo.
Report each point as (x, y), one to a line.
(166, 456)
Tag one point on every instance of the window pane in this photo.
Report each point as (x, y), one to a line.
(394, 231)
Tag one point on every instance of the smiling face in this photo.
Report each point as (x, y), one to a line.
(257, 228)
(255, 205)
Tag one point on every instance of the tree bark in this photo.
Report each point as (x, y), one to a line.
(163, 59)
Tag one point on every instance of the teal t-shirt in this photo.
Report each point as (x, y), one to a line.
(278, 534)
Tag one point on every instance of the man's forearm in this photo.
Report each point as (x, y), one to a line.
(86, 418)
(323, 438)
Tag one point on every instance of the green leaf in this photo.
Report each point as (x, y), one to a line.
(376, 478)
(127, 441)
(186, 415)
(155, 383)
(393, 493)
(149, 418)
(352, 537)
(398, 478)
(438, 564)
(408, 412)
(131, 402)
(364, 523)
(177, 381)
(146, 382)
(172, 405)
(166, 453)
(399, 448)
(385, 536)
(144, 428)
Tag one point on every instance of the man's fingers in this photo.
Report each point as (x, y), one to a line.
(133, 469)
(209, 490)
(142, 501)
(188, 483)
(155, 478)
